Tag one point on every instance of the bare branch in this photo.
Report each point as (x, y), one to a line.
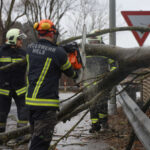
(110, 30)
(51, 8)
(1, 7)
(8, 21)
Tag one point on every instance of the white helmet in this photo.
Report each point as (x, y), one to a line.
(96, 39)
(14, 34)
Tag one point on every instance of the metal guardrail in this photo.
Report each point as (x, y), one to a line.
(139, 121)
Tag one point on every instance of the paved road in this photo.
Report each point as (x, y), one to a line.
(79, 139)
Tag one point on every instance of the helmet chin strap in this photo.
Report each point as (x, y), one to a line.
(14, 46)
(55, 38)
(56, 35)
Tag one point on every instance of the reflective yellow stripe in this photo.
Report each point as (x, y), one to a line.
(89, 56)
(74, 74)
(22, 121)
(112, 68)
(95, 56)
(112, 64)
(94, 120)
(42, 76)
(66, 66)
(110, 61)
(8, 59)
(21, 91)
(86, 84)
(5, 59)
(27, 57)
(102, 115)
(42, 102)
(16, 59)
(4, 92)
(95, 83)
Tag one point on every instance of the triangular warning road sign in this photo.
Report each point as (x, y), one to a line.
(138, 18)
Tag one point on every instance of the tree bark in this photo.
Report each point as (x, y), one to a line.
(5, 137)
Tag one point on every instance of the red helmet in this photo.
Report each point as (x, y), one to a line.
(45, 27)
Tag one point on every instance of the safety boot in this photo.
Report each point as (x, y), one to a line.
(2, 129)
(95, 128)
(104, 126)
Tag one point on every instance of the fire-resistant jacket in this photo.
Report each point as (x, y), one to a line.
(45, 62)
(12, 79)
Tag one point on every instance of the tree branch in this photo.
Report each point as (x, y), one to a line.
(110, 30)
(8, 21)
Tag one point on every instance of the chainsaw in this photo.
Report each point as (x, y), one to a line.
(76, 55)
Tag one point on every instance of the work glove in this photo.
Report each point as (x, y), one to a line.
(70, 47)
(78, 77)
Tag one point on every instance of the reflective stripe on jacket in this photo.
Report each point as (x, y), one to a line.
(18, 92)
(45, 62)
(13, 78)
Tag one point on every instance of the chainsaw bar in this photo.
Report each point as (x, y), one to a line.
(82, 55)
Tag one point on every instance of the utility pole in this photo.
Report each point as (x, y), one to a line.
(58, 14)
(112, 106)
(58, 28)
(112, 21)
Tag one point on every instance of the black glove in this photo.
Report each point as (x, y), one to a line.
(70, 47)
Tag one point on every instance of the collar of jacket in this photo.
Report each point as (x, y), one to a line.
(46, 41)
(8, 47)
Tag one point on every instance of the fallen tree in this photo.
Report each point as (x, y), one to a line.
(84, 99)
(129, 60)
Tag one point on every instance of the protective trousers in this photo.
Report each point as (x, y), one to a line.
(42, 124)
(98, 111)
(5, 105)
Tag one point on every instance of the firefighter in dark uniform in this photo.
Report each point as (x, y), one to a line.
(45, 62)
(97, 65)
(12, 81)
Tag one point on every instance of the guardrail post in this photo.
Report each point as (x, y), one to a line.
(112, 106)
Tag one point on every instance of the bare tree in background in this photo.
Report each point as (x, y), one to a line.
(92, 13)
(48, 9)
(10, 12)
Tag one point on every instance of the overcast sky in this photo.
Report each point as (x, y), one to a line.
(126, 38)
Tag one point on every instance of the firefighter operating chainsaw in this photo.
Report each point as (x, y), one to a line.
(74, 57)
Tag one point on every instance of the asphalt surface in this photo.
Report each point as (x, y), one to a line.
(79, 139)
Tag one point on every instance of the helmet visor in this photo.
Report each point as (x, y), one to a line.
(22, 36)
(94, 40)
